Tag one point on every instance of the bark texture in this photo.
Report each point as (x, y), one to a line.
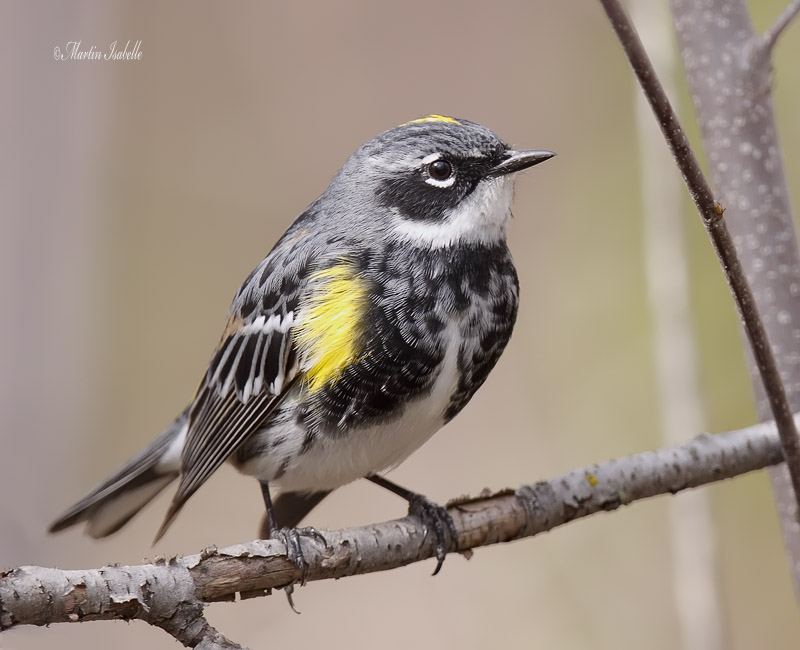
(171, 594)
(729, 70)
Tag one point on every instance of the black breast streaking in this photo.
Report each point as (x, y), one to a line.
(418, 302)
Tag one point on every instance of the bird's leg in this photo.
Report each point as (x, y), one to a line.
(290, 508)
(433, 516)
(290, 537)
(272, 525)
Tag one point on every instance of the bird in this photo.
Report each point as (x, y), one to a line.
(369, 325)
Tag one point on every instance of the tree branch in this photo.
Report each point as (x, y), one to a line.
(770, 37)
(711, 212)
(172, 593)
(162, 594)
(729, 73)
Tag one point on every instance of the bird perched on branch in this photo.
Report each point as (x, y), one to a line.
(370, 324)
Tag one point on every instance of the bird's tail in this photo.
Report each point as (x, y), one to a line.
(111, 504)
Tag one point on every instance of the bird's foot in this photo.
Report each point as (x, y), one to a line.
(436, 519)
(290, 538)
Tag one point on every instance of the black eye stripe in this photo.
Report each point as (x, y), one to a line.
(425, 192)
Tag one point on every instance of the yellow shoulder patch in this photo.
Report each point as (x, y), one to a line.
(433, 118)
(331, 324)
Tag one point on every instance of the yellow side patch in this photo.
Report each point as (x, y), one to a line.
(433, 118)
(331, 324)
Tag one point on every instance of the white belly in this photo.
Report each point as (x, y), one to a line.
(335, 461)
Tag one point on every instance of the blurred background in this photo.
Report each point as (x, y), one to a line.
(137, 195)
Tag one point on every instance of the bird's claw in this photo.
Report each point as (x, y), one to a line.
(290, 538)
(434, 518)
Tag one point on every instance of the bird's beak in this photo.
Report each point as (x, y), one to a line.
(515, 161)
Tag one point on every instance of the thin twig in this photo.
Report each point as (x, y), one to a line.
(172, 594)
(199, 634)
(711, 212)
(773, 32)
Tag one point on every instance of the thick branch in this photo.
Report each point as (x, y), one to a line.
(162, 594)
(729, 72)
(171, 593)
(711, 213)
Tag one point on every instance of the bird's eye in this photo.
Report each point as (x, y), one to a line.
(440, 170)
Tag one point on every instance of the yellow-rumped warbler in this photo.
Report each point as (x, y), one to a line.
(369, 325)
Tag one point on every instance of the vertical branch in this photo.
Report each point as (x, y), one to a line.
(711, 213)
(729, 73)
(692, 537)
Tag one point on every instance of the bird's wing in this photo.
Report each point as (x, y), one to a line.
(251, 371)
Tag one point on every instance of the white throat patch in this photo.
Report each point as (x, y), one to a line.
(481, 218)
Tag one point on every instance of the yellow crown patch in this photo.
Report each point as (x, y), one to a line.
(433, 118)
(330, 324)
